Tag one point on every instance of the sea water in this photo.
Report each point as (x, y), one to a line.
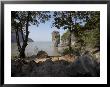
(33, 48)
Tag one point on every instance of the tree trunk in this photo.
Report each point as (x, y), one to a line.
(22, 35)
(70, 48)
(70, 31)
(17, 40)
(22, 52)
(21, 49)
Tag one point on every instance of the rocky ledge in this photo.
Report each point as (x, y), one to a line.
(82, 66)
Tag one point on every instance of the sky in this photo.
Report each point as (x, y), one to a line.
(43, 32)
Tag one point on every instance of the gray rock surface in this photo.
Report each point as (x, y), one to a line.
(55, 38)
(84, 66)
(13, 37)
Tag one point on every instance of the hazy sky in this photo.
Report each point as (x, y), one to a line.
(43, 32)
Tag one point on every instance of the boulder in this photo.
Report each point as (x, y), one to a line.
(42, 54)
(84, 66)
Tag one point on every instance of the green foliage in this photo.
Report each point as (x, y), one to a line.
(20, 22)
(94, 21)
(19, 18)
(91, 38)
(87, 35)
(65, 36)
(90, 33)
(69, 19)
(73, 51)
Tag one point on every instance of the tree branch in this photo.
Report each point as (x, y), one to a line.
(17, 40)
(27, 32)
(21, 31)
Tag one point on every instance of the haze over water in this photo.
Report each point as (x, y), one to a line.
(33, 48)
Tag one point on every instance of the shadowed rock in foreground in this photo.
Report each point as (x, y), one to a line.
(83, 66)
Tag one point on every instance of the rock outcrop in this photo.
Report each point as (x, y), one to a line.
(55, 38)
(42, 54)
(65, 39)
(84, 66)
(13, 37)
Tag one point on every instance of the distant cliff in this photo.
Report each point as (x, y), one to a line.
(13, 38)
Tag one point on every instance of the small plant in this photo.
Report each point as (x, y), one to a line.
(42, 54)
(72, 51)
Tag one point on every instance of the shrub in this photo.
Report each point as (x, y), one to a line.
(72, 51)
(42, 54)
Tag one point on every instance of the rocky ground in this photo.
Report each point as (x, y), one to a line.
(62, 66)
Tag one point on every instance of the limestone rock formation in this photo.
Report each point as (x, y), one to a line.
(65, 39)
(55, 38)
